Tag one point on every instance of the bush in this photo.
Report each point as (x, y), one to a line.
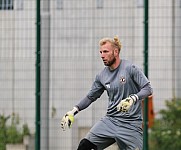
(26, 130)
(3, 130)
(11, 133)
(166, 132)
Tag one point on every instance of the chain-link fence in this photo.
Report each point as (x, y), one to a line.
(70, 31)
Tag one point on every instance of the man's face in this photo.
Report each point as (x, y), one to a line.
(107, 54)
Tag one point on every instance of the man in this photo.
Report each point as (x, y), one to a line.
(126, 87)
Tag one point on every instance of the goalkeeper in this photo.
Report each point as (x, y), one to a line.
(126, 86)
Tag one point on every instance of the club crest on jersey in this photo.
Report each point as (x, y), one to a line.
(122, 80)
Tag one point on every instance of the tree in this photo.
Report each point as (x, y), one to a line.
(166, 132)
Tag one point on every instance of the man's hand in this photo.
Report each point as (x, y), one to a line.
(126, 103)
(68, 119)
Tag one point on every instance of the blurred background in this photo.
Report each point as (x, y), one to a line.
(70, 32)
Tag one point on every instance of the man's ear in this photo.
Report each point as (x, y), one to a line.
(116, 51)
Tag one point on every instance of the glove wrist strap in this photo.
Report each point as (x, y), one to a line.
(134, 97)
(75, 111)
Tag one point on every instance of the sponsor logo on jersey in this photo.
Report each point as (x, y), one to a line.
(122, 80)
(108, 85)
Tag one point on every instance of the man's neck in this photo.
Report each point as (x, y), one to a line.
(115, 65)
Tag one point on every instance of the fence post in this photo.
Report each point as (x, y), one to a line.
(38, 75)
(145, 131)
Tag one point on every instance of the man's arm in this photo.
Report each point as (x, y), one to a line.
(126, 103)
(84, 103)
(145, 91)
(142, 81)
(95, 92)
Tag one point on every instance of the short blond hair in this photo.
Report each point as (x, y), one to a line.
(115, 42)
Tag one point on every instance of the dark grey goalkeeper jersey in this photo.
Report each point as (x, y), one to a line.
(125, 80)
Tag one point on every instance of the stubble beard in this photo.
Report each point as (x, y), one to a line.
(110, 63)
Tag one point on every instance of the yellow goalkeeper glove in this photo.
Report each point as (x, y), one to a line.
(126, 103)
(68, 119)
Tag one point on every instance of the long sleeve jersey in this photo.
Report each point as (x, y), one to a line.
(119, 83)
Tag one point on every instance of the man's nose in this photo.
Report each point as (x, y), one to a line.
(102, 55)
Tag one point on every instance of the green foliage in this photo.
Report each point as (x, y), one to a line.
(166, 132)
(11, 133)
(26, 130)
(3, 128)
